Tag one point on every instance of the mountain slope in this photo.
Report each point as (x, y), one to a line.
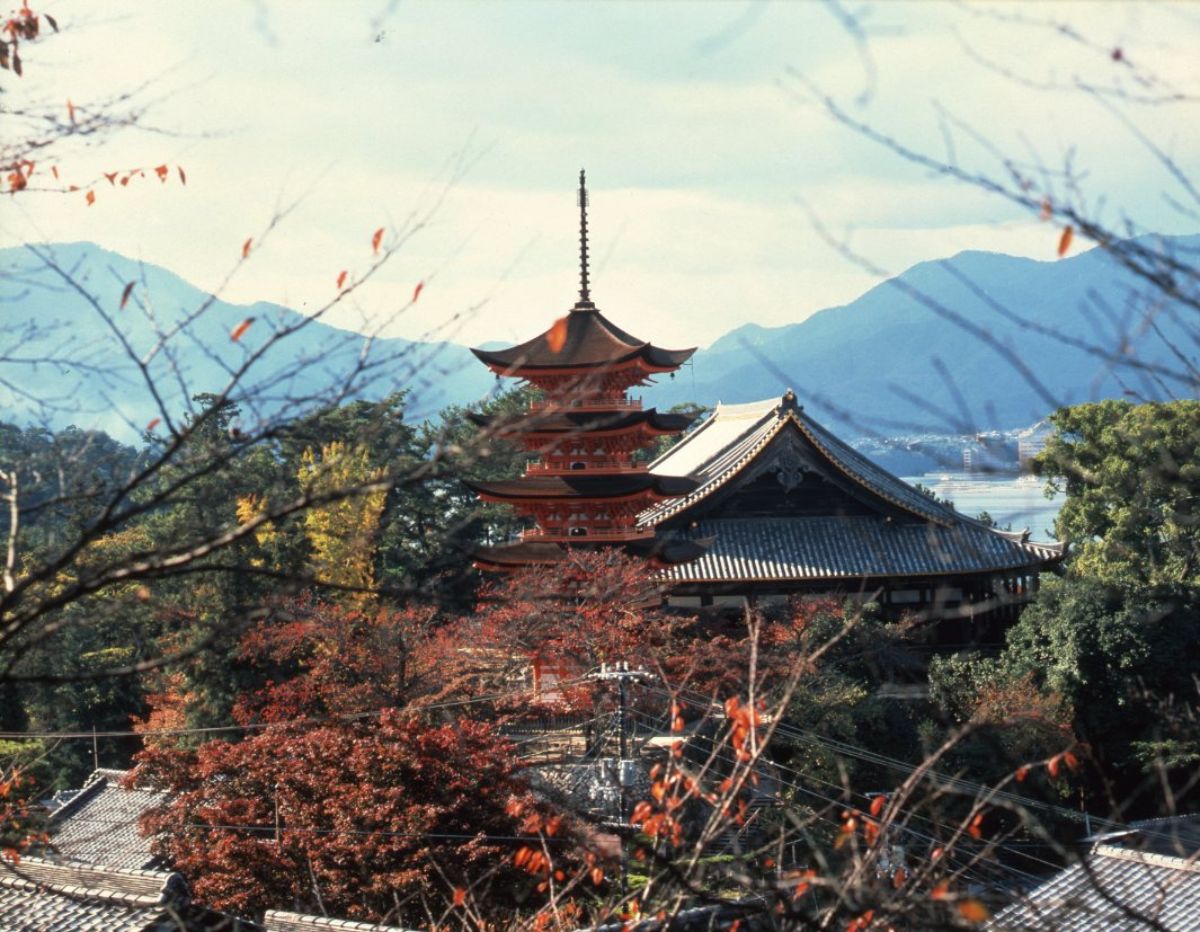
(66, 360)
(978, 341)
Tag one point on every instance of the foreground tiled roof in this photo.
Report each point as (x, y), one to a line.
(39, 896)
(851, 547)
(99, 824)
(279, 921)
(1114, 890)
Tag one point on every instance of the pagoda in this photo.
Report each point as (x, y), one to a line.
(582, 486)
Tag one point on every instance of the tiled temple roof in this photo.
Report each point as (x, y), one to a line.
(850, 547)
(922, 538)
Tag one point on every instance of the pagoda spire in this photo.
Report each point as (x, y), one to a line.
(585, 300)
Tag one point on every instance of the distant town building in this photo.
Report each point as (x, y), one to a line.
(1032, 442)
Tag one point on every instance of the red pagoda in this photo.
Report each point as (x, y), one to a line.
(582, 486)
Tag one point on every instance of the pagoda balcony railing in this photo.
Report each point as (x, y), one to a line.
(622, 403)
(617, 534)
(593, 465)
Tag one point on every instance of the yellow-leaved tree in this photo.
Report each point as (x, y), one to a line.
(343, 532)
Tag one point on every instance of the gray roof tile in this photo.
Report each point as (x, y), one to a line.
(99, 825)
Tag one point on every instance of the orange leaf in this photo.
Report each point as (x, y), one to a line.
(877, 805)
(556, 336)
(161, 171)
(91, 198)
(125, 181)
(597, 876)
(125, 294)
(973, 911)
(1022, 773)
(153, 424)
(417, 291)
(182, 174)
(940, 892)
(112, 177)
(71, 110)
(460, 896)
(376, 239)
(341, 278)
(246, 247)
(899, 877)
(1071, 761)
(1064, 241)
(238, 331)
(1053, 764)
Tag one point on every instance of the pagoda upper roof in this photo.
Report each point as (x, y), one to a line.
(591, 341)
(909, 534)
(570, 421)
(582, 486)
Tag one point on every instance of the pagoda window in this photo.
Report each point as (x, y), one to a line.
(579, 465)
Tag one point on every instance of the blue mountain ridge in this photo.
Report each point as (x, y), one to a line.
(69, 362)
(978, 341)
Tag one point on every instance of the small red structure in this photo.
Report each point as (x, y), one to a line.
(582, 486)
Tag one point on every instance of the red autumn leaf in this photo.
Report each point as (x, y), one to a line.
(341, 278)
(877, 805)
(376, 239)
(417, 291)
(73, 187)
(161, 171)
(239, 331)
(940, 892)
(246, 247)
(112, 177)
(460, 896)
(1064, 241)
(975, 830)
(1022, 773)
(899, 877)
(153, 423)
(182, 174)
(1071, 761)
(125, 294)
(91, 198)
(1053, 764)
(125, 181)
(973, 911)
(597, 876)
(556, 336)
(70, 110)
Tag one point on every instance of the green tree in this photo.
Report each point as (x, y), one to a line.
(1132, 484)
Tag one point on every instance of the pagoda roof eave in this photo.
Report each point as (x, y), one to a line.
(567, 421)
(583, 487)
(584, 340)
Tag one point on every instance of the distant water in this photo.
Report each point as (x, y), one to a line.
(1015, 500)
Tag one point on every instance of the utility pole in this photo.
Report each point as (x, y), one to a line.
(622, 675)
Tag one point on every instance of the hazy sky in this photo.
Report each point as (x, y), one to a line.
(701, 146)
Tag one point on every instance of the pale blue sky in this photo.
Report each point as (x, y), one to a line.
(698, 140)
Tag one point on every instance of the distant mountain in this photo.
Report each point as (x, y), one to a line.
(975, 342)
(66, 361)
